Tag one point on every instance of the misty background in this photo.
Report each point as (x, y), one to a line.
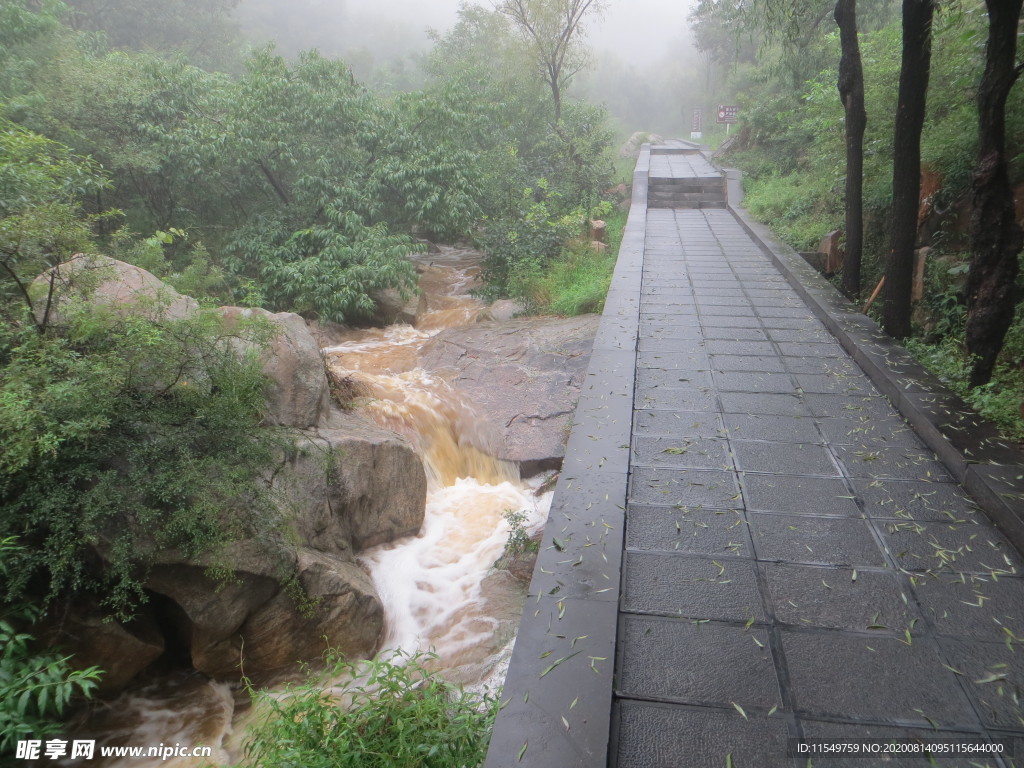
(643, 68)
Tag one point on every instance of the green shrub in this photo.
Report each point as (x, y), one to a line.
(129, 435)
(389, 713)
(35, 687)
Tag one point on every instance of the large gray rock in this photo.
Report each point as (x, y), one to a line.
(105, 282)
(352, 485)
(299, 391)
(344, 613)
(121, 651)
(524, 374)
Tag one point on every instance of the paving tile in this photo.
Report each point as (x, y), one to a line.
(770, 383)
(691, 587)
(789, 429)
(827, 366)
(662, 736)
(832, 731)
(802, 495)
(921, 501)
(892, 463)
(846, 406)
(717, 532)
(958, 547)
(734, 334)
(692, 399)
(765, 404)
(688, 487)
(714, 310)
(685, 346)
(993, 674)
(682, 452)
(671, 378)
(677, 423)
(708, 664)
(979, 608)
(722, 347)
(839, 598)
(802, 335)
(815, 540)
(657, 331)
(811, 349)
(746, 363)
(838, 383)
(872, 677)
(863, 429)
(696, 361)
(763, 456)
(729, 321)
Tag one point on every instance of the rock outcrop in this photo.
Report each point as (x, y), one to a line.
(348, 484)
(524, 375)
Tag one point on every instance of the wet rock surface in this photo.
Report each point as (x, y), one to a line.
(523, 375)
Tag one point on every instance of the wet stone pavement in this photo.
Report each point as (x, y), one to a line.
(797, 564)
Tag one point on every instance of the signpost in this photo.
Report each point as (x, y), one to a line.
(727, 114)
(696, 129)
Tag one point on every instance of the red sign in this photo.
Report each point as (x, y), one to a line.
(727, 114)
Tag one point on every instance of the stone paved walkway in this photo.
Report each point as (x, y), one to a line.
(796, 563)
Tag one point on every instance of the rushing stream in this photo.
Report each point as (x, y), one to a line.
(438, 588)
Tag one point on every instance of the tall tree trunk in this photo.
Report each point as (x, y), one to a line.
(906, 172)
(851, 92)
(996, 239)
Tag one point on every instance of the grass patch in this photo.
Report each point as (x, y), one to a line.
(999, 401)
(576, 281)
(389, 713)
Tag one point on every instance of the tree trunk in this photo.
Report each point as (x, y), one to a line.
(996, 239)
(906, 173)
(851, 92)
(556, 97)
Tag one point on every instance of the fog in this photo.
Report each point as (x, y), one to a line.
(643, 63)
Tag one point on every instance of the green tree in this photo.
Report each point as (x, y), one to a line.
(554, 30)
(996, 238)
(41, 223)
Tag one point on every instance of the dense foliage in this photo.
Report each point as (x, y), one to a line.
(35, 688)
(141, 132)
(791, 149)
(388, 713)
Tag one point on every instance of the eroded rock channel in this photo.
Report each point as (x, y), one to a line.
(439, 425)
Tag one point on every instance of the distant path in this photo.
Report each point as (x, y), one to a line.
(794, 562)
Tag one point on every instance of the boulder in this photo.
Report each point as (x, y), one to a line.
(502, 310)
(122, 651)
(105, 282)
(392, 308)
(209, 612)
(598, 229)
(345, 613)
(353, 485)
(299, 391)
(524, 374)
